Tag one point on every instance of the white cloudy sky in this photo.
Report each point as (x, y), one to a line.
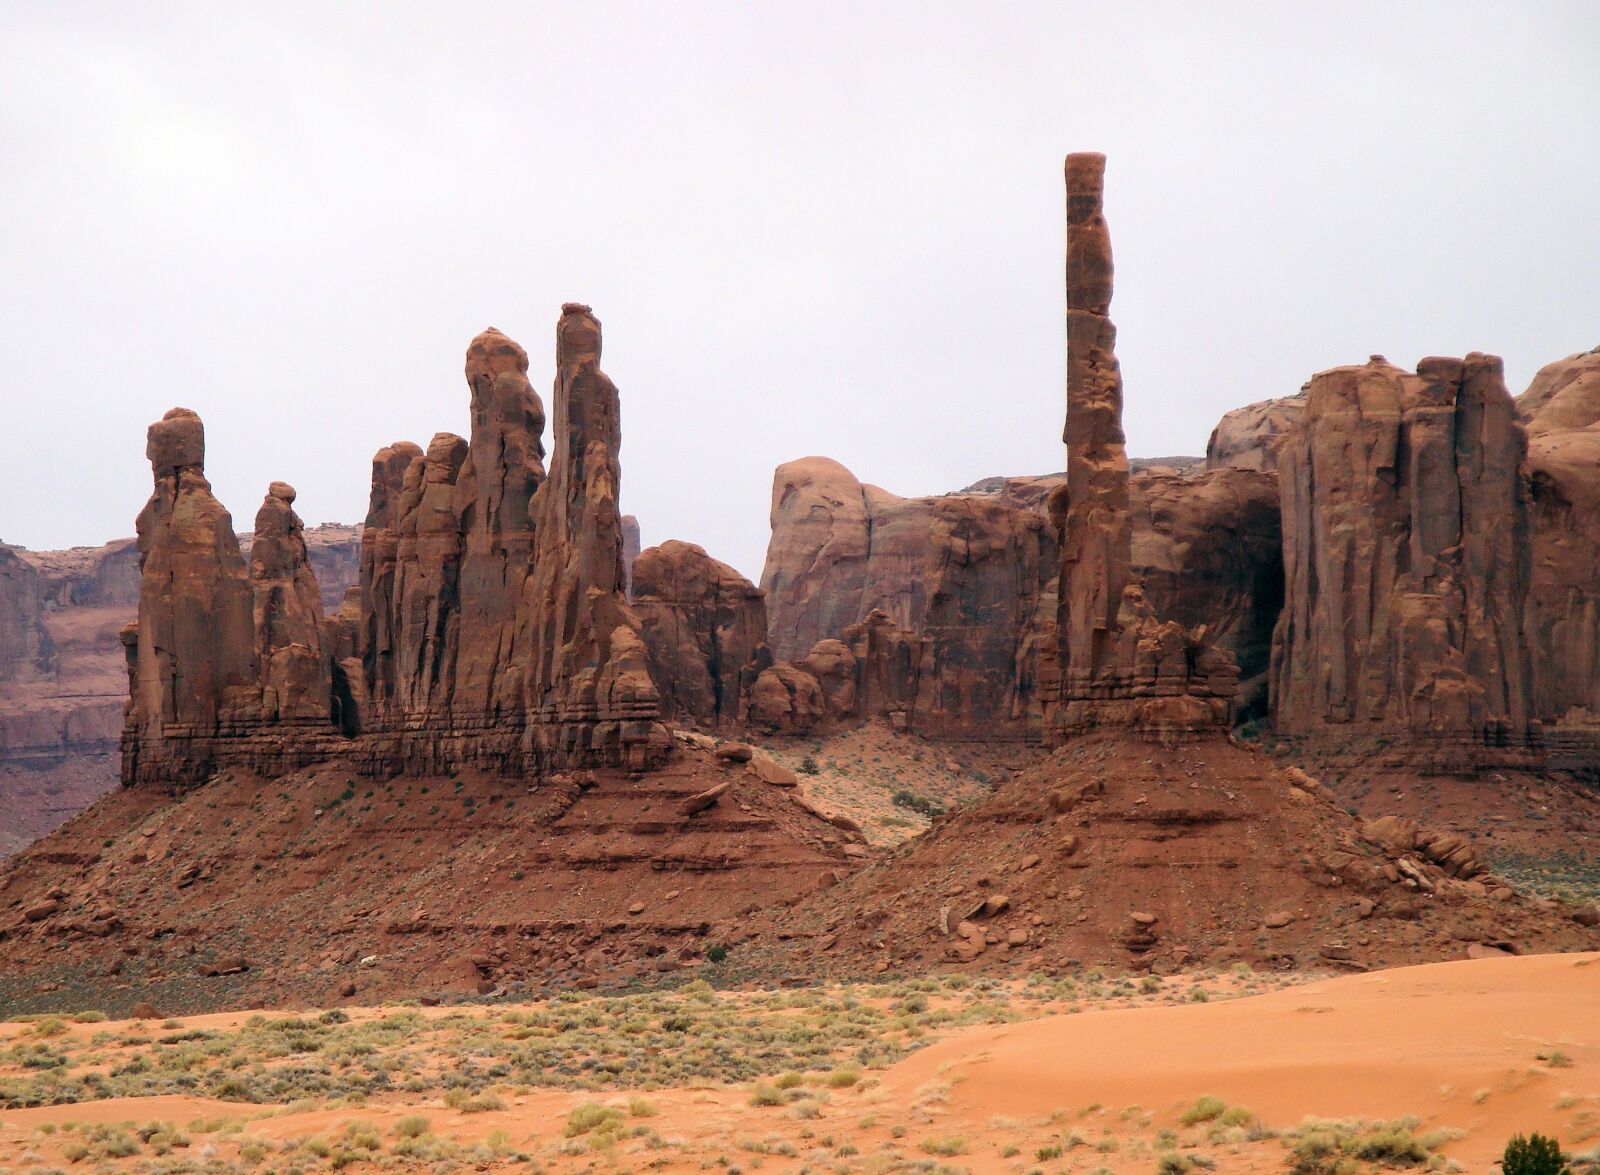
(808, 228)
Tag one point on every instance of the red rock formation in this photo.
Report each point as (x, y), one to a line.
(1095, 534)
(60, 732)
(1406, 549)
(1208, 549)
(1561, 409)
(493, 494)
(1117, 663)
(815, 569)
(380, 553)
(705, 627)
(1244, 438)
(192, 654)
(588, 689)
(426, 620)
(966, 579)
(957, 593)
(288, 615)
(489, 627)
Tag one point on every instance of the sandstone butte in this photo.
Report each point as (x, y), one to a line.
(510, 754)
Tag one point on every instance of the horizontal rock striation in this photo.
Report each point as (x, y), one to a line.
(1407, 561)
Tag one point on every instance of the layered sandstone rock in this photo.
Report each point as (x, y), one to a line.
(26, 650)
(1204, 543)
(60, 731)
(1561, 409)
(1407, 561)
(1244, 438)
(705, 627)
(1117, 663)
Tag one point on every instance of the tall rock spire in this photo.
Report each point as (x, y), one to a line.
(589, 692)
(494, 494)
(192, 655)
(1095, 541)
(1117, 663)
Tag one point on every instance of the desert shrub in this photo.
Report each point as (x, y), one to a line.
(765, 1095)
(460, 1099)
(1205, 1109)
(808, 766)
(923, 805)
(1394, 1145)
(412, 1126)
(844, 1076)
(716, 954)
(945, 1147)
(1537, 1154)
(591, 1116)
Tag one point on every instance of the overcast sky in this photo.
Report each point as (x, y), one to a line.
(807, 227)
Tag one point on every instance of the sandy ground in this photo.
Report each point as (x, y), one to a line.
(1487, 1048)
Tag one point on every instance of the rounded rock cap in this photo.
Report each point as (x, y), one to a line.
(176, 441)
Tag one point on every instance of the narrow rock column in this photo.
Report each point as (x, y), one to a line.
(1095, 552)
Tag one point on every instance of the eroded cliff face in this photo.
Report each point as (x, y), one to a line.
(705, 627)
(1408, 562)
(1561, 410)
(26, 650)
(939, 601)
(488, 628)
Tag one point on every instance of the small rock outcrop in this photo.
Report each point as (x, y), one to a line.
(705, 627)
(1407, 565)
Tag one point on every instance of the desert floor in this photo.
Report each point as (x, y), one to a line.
(1434, 1065)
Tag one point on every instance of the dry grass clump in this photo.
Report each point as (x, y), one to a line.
(1334, 1147)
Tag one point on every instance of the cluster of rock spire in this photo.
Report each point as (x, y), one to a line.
(489, 626)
